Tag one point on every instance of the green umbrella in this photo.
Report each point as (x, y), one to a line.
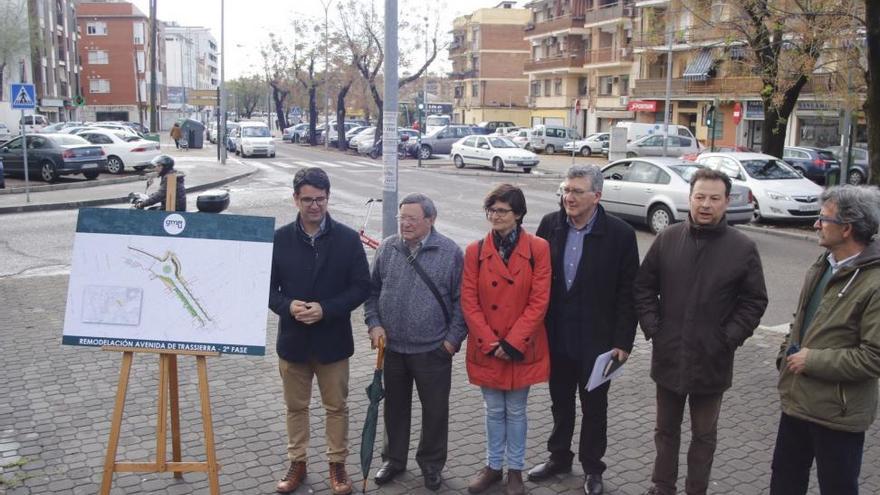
(376, 393)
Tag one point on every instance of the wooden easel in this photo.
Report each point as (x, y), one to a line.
(168, 396)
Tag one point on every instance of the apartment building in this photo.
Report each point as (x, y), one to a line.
(488, 53)
(115, 58)
(191, 63)
(54, 66)
(708, 67)
(580, 58)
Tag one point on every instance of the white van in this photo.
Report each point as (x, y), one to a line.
(33, 123)
(254, 138)
(637, 130)
(550, 138)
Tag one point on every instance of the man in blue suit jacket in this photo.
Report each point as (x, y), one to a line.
(319, 275)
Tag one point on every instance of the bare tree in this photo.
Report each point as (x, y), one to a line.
(872, 101)
(247, 93)
(14, 35)
(278, 66)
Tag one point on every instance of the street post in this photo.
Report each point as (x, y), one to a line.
(389, 123)
(24, 97)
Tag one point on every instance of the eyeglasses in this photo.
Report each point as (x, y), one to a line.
(409, 220)
(321, 201)
(501, 212)
(835, 221)
(574, 192)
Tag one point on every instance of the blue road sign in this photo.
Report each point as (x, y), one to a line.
(24, 97)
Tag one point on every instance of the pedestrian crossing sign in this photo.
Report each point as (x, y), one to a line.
(23, 97)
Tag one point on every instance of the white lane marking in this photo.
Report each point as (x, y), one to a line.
(369, 164)
(328, 164)
(352, 164)
(283, 165)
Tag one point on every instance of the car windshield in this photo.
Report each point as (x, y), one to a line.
(255, 132)
(65, 140)
(685, 171)
(769, 169)
(500, 142)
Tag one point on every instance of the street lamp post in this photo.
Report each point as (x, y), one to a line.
(221, 131)
(326, 4)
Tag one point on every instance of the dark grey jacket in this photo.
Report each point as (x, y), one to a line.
(159, 195)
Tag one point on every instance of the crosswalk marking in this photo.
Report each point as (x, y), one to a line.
(283, 165)
(328, 164)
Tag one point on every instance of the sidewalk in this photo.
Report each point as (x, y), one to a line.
(200, 166)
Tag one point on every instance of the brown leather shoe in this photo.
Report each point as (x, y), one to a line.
(514, 483)
(484, 479)
(296, 473)
(339, 480)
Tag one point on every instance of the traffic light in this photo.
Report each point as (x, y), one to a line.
(710, 116)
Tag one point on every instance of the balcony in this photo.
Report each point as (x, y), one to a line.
(603, 13)
(607, 56)
(465, 74)
(728, 86)
(563, 61)
(557, 24)
(695, 35)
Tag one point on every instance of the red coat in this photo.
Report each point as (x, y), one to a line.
(507, 302)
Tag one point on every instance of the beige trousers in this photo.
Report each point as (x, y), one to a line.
(296, 378)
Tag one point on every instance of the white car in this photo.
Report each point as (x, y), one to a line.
(590, 145)
(117, 127)
(653, 146)
(254, 138)
(654, 191)
(520, 137)
(122, 150)
(778, 190)
(492, 151)
(5, 134)
(366, 134)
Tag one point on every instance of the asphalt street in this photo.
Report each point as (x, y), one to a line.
(54, 425)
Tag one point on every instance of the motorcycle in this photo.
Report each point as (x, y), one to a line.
(211, 201)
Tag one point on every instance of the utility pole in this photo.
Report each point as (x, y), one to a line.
(221, 128)
(669, 20)
(389, 123)
(326, 4)
(154, 80)
(423, 112)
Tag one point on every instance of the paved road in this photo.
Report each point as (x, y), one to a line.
(55, 421)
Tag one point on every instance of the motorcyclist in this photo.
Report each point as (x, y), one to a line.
(165, 164)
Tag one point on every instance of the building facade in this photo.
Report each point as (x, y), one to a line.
(488, 53)
(115, 58)
(581, 63)
(54, 58)
(191, 63)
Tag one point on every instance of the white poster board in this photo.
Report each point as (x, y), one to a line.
(169, 281)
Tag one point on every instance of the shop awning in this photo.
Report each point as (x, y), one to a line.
(698, 69)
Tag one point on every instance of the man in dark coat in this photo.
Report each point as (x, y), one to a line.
(319, 275)
(700, 294)
(166, 166)
(595, 258)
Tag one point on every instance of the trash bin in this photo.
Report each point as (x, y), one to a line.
(193, 132)
(832, 177)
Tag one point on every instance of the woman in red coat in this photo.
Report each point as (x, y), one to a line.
(504, 296)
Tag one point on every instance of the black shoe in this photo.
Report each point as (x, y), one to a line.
(593, 484)
(386, 473)
(432, 481)
(547, 469)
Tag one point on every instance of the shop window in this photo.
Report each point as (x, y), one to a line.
(605, 85)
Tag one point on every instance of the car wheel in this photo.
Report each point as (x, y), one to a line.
(374, 153)
(459, 162)
(550, 149)
(586, 151)
(114, 165)
(854, 178)
(425, 152)
(47, 172)
(528, 147)
(272, 155)
(527, 170)
(498, 164)
(659, 217)
(91, 175)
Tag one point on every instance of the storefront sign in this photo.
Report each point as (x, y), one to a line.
(642, 106)
(812, 105)
(754, 110)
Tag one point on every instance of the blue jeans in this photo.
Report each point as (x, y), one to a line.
(506, 427)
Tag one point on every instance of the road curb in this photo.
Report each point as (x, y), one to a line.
(107, 201)
(73, 185)
(779, 233)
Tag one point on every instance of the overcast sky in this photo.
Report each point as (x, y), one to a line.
(249, 21)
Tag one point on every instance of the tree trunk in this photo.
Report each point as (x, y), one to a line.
(776, 119)
(279, 97)
(872, 101)
(377, 98)
(340, 117)
(2, 70)
(313, 114)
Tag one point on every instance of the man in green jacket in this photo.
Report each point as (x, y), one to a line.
(830, 362)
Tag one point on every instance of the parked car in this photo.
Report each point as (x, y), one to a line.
(254, 138)
(231, 134)
(5, 134)
(590, 145)
(653, 146)
(288, 133)
(692, 157)
(53, 155)
(334, 135)
(506, 131)
(812, 163)
(654, 191)
(404, 136)
(366, 134)
(440, 141)
(550, 138)
(435, 122)
(490, 126)
(859, 168)
(58, 127)
(492, 151)
(33, 123)
(778, 190)
(118, 127)
(211, 131)
(122, 150)
(638, 130)
(300, 133)
(354, 131)
(520, 137)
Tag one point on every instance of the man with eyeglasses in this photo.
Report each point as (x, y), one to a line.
(830, 361)
(319, 276)
(594, 257)
(700, 293)
(414, 308)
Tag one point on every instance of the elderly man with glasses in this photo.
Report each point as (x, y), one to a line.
(594, 257)
(319, 276)
(414, 307)
(830, 362)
